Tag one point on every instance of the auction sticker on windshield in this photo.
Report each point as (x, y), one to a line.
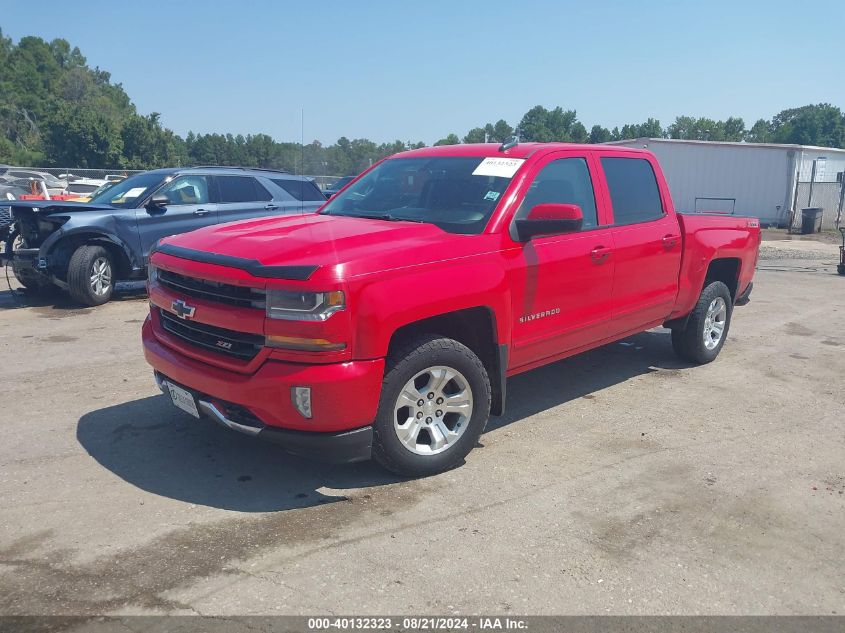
(500, 167)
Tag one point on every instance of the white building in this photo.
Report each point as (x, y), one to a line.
(763, 180)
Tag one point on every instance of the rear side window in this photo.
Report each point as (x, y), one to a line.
(77, 188)
(633, 190)
(303, 190)
(242, 189)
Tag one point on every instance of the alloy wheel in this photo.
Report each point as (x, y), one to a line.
(433, 410)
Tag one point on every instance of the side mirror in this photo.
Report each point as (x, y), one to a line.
(158, 203)
(550, 219)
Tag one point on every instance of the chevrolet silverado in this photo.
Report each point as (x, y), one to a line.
(386, 324)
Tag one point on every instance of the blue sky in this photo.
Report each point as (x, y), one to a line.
(419, 70)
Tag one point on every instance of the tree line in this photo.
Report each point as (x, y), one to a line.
(55, 110)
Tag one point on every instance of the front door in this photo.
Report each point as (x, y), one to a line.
(189, 206)
(562, 283)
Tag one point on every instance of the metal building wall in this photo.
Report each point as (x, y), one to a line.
(751, 180)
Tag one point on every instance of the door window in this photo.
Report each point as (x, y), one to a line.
(186, 190)
(563, 181)
(633, 190)
(303, 190)
(242, 189)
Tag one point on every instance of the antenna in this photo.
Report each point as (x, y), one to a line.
(513, 141)
(301, 160)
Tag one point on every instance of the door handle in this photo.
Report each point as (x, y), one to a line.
(271, 207)
(600, 254)
(201, 212)
(670, 241)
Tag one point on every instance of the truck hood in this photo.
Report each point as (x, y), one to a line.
(359, 245)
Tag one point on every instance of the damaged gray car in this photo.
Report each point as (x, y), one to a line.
(85, 248)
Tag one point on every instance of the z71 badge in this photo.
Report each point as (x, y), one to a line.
(539, 315)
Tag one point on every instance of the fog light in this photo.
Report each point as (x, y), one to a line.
(301, 398)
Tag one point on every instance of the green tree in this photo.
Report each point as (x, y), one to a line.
(599, 134)
(734, 128)
(760, 132)
(534, 125)
(475, 135)
(501, 132)
(821, 124)
(451, 139)
(78, 136)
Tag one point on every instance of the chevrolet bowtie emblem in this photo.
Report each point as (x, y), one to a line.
(182, 309)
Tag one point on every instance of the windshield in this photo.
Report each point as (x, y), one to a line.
(340, 183)
(101, 189)
(450, 192)
(126, 193)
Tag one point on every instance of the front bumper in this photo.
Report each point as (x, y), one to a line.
(344, 399)
(340, 448)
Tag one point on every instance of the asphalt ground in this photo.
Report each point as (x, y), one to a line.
(622, 481)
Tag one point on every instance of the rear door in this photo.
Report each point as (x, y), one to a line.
(243, 197)
(646, 244)
(190, 206)
(562, 284)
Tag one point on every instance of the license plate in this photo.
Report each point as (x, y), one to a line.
(183, 399)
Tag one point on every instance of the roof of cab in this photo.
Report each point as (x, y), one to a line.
(522, 150)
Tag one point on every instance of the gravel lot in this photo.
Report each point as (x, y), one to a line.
(621, 481)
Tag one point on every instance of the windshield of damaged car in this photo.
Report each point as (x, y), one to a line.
(446, 191)
(126, 193)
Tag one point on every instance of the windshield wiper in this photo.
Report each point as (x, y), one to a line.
(385, 216)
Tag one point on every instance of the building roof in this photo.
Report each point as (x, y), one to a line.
(812, 148)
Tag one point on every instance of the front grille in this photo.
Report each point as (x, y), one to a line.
(218, 339)
(229, 294)
(5, 217)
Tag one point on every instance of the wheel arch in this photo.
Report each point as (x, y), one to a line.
(724, 269)
(474, 327)
(120, 252)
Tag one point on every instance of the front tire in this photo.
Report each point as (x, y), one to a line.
(707, 326)
(435, 403)
(90, 275)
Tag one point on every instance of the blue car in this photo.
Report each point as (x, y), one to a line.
(85, 248)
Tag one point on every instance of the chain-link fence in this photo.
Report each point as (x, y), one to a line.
(827, 196)
(73, 173)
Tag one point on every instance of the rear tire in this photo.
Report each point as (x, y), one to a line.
(707, 326)
(90, 275)
(413, 439)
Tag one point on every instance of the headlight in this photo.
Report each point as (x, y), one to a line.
(304, 306)
(152, 274)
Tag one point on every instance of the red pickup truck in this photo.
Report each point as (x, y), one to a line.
(386, 324)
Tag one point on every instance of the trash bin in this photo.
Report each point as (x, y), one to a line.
(811, 220)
